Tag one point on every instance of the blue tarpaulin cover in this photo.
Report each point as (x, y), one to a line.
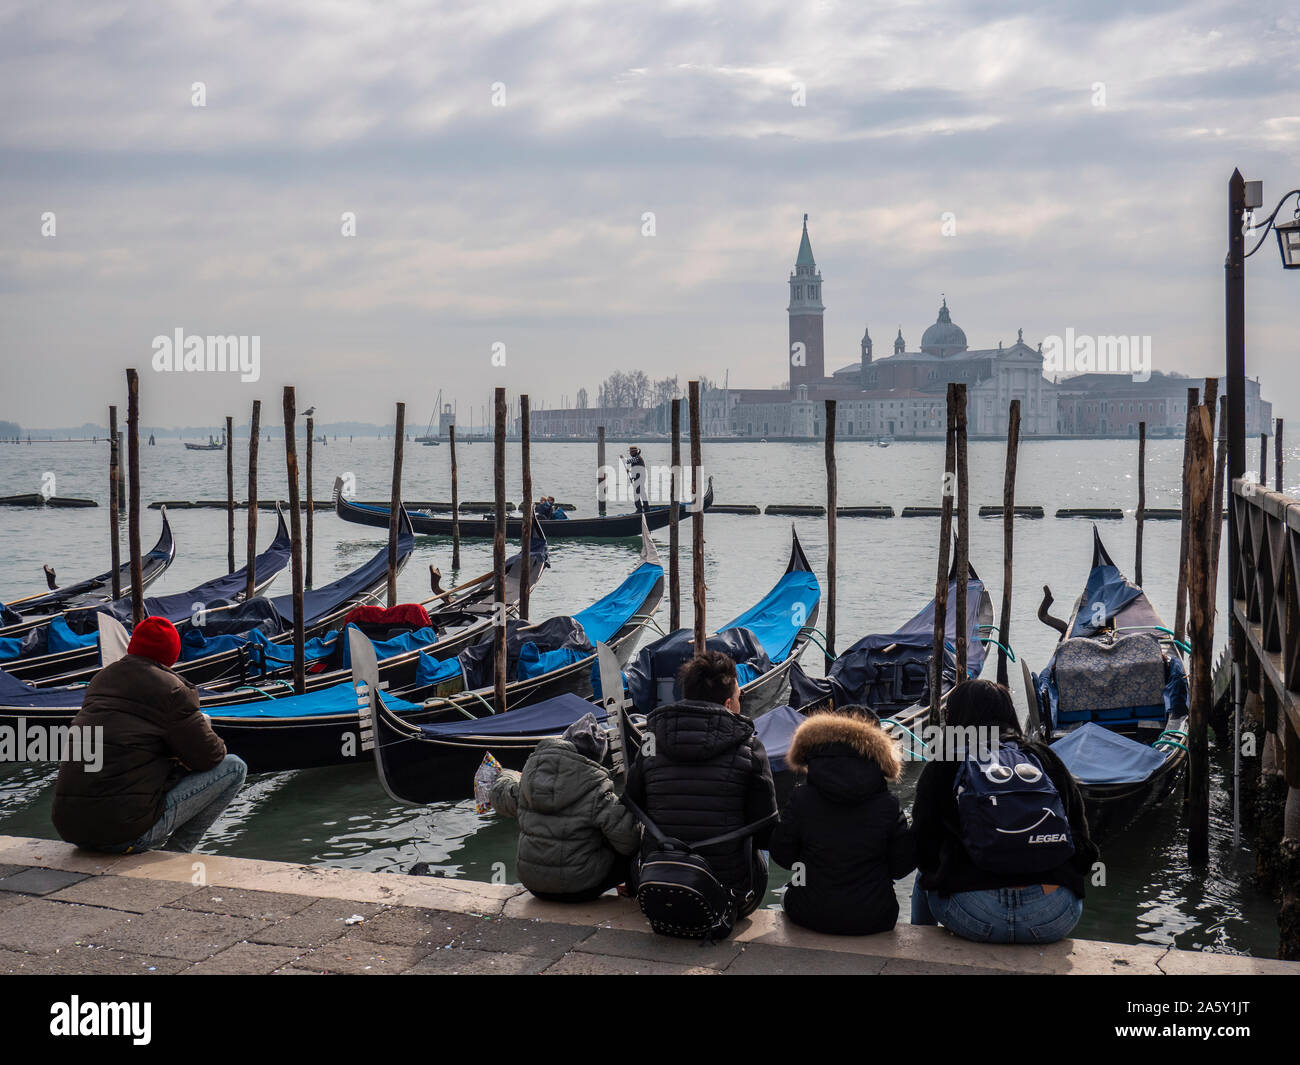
(179, 606)
(891, 669)
(776, 729)
(338, 699)
(777, 618)
(15, 692)
(541, 719)
(550, 644)
(1096, 755)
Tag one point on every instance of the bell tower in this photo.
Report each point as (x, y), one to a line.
(805, 355)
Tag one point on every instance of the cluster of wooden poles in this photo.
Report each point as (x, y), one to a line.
(1202, 522)
(301, 574)
(1202, 526)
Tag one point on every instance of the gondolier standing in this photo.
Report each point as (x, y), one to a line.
(637, 478)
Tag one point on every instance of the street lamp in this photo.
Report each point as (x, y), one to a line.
(1288, 241)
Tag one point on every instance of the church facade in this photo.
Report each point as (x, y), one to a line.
(904, 394)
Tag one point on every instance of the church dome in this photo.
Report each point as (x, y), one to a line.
(943, 338)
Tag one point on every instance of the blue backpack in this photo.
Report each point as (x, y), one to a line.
(1011, 815)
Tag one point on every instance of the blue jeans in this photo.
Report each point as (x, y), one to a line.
(190, 808)
(1000, 915)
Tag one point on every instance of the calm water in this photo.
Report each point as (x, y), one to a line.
(887, 570)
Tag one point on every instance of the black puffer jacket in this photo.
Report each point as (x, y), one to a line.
(944, 863)
(844, 828)
(708, 775)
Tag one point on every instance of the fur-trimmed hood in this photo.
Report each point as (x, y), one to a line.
(827, 729)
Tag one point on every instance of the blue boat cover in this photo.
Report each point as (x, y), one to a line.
(179, 606)
(606, 616)
(337, 699)
(777, 618)
(886, 669)
(1096, 755)
(540, 719)
(551, 644)
(776, 729)
(1112, 591)
(651, 676)
(15, 692)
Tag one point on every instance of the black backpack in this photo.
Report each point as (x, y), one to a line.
(677, 890)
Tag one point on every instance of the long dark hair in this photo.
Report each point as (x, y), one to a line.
(981, 702)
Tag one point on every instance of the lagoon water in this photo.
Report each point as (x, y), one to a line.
(887, 572)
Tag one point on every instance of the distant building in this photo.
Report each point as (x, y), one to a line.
(904, 394)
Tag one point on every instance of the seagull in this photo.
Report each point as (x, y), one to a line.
(309, 412)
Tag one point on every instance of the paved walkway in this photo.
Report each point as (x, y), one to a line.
(68, 911)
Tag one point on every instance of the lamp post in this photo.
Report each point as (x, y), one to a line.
(1244, 196)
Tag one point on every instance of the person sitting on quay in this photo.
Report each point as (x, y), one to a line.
(988, 881)
(166, 776)
(708, 775)
(843, 827)
(575, 838)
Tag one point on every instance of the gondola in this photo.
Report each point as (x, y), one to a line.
(615, 526)
(231, 643)
(889, 673)
(33, 610)
(1113, 699)
(460, 616)
(69, 641)
(323, 727)
(420, 762)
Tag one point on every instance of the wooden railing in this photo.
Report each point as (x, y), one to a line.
(1265, 590)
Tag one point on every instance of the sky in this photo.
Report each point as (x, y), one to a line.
(1044, 166)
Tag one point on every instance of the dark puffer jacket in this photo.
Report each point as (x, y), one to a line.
(571, 825)
(844, 827)
(708, 775)
(153, 734)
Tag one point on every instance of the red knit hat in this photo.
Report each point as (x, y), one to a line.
(156, 638)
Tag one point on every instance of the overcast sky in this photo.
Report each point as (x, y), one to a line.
(1084, 154)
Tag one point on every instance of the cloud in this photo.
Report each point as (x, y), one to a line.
(523, 223)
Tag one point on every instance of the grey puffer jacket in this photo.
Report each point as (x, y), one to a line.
(571, 822)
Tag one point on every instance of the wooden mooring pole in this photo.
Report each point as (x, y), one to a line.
(254, 437)
(499, 551)
(230, 495)
(674, 525)
(963, 538)
(1199, 487)
(295, 533)
(133, 512)
(1142, 502)
(114, 534)
(1220, 467)
(697, 518)
(455, 502)
(1008, 536)
(526, 531)
(311, 502)
(1180, 609)
(832, 494)
(601, 486)
(941, 581)
(395, 503)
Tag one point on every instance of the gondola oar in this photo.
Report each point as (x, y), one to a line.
(615, 701)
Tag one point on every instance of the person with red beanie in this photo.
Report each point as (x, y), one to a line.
(165, 776)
